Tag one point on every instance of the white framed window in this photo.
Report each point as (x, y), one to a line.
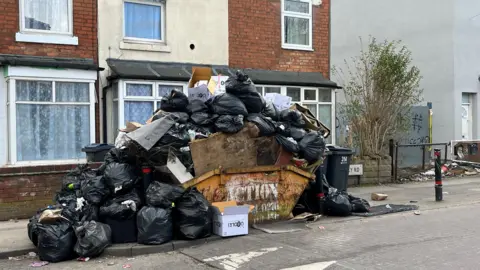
(297, 24)
(144, 20)
(50, 120)
(137, 100)
(320, 101)
(46, 21)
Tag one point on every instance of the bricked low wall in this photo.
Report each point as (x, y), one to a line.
(374, 171)
(23, 190)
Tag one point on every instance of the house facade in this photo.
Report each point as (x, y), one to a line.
(444, 41)
(48, 67)
(283, 45)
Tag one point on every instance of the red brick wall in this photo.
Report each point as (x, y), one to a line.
(84, 27)
(24, 190)
(255, 38)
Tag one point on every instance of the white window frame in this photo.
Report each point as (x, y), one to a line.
(302, 101)
(46, 36)
(309, 16)
(12, 117)
(155, 98)
(162, 6)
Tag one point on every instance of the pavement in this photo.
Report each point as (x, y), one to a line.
(442, 236)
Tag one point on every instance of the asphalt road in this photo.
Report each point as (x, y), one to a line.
(444, 238)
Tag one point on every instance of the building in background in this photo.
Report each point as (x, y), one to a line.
(443, 37)
(48, 67)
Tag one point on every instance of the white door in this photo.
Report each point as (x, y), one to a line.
(466, 122)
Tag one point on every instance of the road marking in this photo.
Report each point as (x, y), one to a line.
(235, 260)
(312, 266)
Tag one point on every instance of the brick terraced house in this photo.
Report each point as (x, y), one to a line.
(48, 63)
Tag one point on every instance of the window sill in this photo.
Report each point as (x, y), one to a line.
(49, 39)
(295, 48)
(144, 46)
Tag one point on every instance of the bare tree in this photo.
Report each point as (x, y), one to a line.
(380, 85)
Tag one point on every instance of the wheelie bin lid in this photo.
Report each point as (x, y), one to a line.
(337, 150)
(97, 147)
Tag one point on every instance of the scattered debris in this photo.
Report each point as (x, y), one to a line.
(413, 201)
(38, 264)
(445, 192)
(388, 206)
(416, 213)
(321, 227)
(110, 263)
(125, 266)
(82, 259)
(14, 258)
(32, 254)
(379, 196)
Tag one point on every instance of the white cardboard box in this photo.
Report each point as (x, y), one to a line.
(232, 221)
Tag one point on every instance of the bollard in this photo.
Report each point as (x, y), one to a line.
(438, 176)
(147, 177)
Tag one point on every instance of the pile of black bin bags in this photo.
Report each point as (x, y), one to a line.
(112, 204)
(109, 205)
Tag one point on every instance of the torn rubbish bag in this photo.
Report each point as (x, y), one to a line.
(95, 190)
(312, 146)
(265, 125)
(229, 123)
(239, 83)
(92, 238)
(192, 215)
(177, 136)
(120, 177)
(359, 205)
(337, 203)
(289, 144)
(155, 225)
(180, 117)
(56, 242)
(89, 212)
(227, 104)
(122, 207)
(176, 101)
(162, 194)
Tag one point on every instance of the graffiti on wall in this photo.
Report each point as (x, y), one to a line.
(417, 134)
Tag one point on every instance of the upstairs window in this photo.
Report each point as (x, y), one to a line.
(297, 24)
(144, 20)
(50, 16)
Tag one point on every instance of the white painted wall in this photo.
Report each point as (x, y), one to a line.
(3, 118)
(203, 23)
(443, 37)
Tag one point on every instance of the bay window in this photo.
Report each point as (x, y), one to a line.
(139, 99)
(50, 119)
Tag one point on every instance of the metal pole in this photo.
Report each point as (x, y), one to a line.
(438, 176)
(396, 162)
(446, 150)
(423, 157)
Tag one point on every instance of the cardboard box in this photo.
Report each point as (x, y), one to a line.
(201, 75)
(218, 84)
(230, 219)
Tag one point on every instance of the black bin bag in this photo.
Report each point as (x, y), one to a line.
(293, 117)
(289, 144)
(155, 225)
(32, 228)
(162, 194)
(176, 101)
(253, 101)
(265, 125)
(95, 190)
(122, 207)
(312, 146)
(270, 110)
(192, 215)
(239, 83)
(359, 205)
(229, 123)
(227, 104)
(56, 242)
(337, 203)
(120, 177)
(92, 238)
